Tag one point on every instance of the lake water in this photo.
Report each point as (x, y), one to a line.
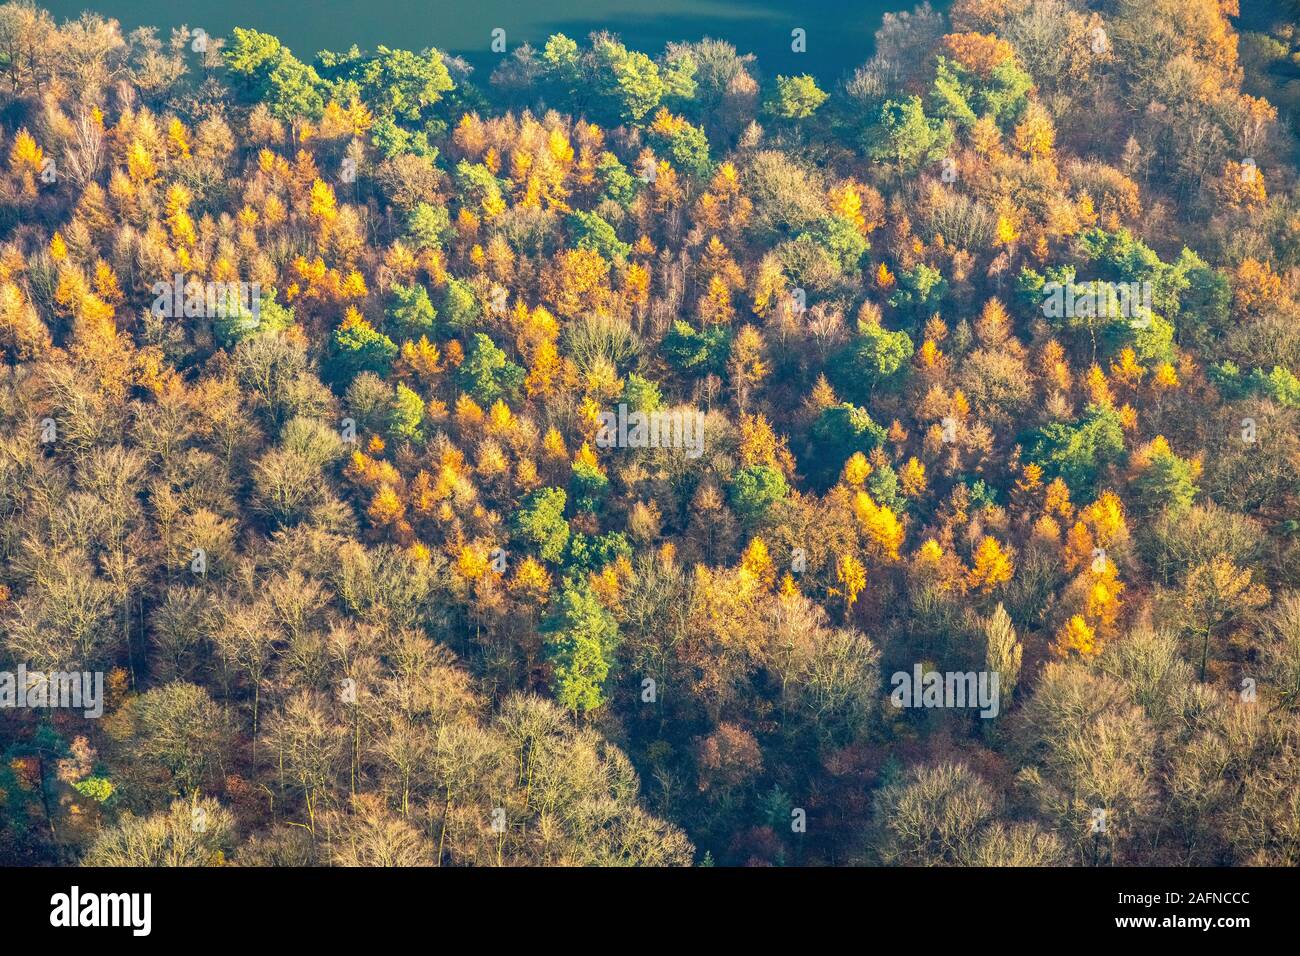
(838, 32)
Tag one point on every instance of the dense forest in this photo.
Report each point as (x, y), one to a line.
(308, 368)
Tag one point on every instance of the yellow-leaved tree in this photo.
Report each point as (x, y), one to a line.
(992, 565)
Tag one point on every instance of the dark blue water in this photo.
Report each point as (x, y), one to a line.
(838, 32)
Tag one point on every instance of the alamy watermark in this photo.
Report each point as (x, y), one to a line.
(678, 428)
(43, 690)
(950, 689)
(1098, 299)
(178, 298)
(75, 908)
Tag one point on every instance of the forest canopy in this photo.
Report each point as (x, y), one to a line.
(572, 463)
